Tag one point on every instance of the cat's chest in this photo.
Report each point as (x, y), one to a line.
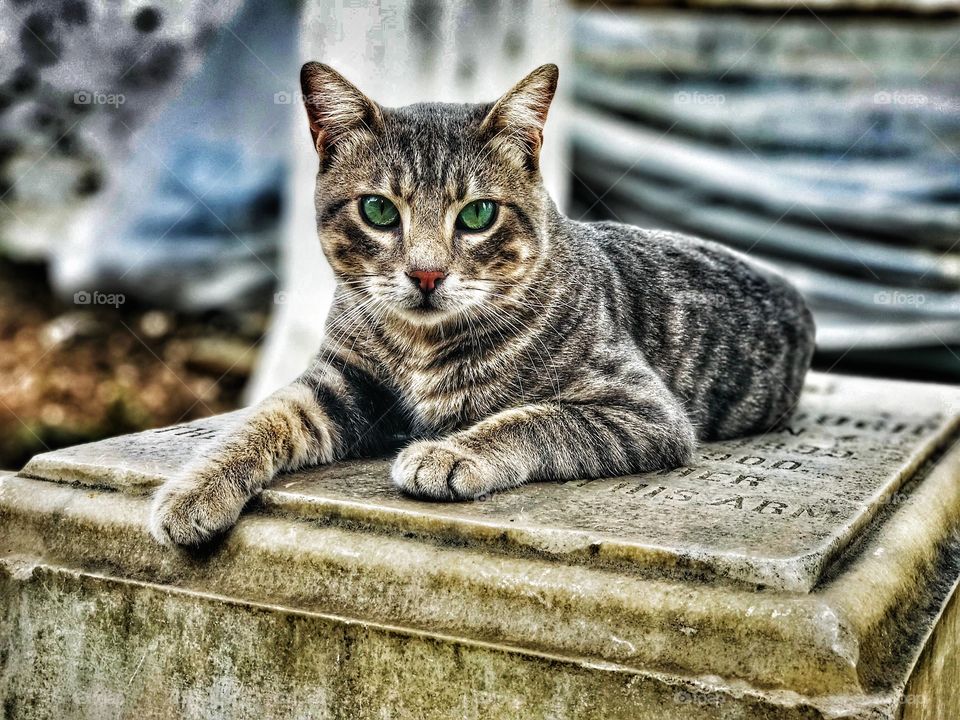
(442, 399)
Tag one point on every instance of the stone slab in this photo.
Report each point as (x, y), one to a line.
(190, 656)
(772, 510)
(334, 597)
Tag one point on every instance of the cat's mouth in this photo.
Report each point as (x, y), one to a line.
(426, 303)
(425, 307)
(424, 310)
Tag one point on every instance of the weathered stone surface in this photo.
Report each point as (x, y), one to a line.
(800, 574)
(771, 510)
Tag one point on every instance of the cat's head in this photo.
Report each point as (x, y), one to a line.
(429, 211)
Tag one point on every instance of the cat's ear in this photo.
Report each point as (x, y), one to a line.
(518, 117)
(336, 109)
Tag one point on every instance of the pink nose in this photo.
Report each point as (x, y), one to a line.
(428, 280)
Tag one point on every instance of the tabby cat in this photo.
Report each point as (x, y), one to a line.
(504, 341)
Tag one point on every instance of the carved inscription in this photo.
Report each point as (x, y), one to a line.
(186, 431)
(885, 424)
(666, 495)
(797, 473)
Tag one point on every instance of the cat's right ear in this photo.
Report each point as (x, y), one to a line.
(516, 120)
(336, 109)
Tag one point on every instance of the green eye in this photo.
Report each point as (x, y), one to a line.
(379, 212)
(477, 216)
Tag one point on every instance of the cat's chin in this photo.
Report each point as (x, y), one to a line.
(423, 315)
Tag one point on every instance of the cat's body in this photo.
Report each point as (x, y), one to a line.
(731, 340)
(708, 323)
(527, 347)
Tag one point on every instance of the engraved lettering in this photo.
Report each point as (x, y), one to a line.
(840, 454)
(734, 502)
(681, 471)
(189, 432)
(776, 506)
(716, 457)
(715, 475)
(813, 450)
(811, 512)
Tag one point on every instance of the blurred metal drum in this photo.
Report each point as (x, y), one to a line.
(827, 145)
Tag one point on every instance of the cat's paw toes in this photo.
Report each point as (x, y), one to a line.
(443, 471)
(186, 512)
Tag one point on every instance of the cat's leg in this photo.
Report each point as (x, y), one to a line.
(558, 440)
(321, 417)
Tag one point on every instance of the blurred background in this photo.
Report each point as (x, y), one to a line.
(158, 252)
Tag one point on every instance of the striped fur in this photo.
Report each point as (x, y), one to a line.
(552, 349)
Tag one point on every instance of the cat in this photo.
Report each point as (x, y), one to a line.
(508, 342)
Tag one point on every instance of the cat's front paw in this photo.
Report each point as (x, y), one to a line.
(193, 510)
(444, 470)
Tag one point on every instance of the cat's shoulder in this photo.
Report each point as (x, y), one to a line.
(629, 246)
(603, 231)
(619, 236)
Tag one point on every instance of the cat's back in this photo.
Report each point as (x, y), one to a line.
(730, 338)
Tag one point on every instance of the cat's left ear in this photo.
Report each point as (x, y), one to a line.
(336, 109)
(518, 117)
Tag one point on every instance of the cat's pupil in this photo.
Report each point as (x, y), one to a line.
(379, 211)
(478, 215)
